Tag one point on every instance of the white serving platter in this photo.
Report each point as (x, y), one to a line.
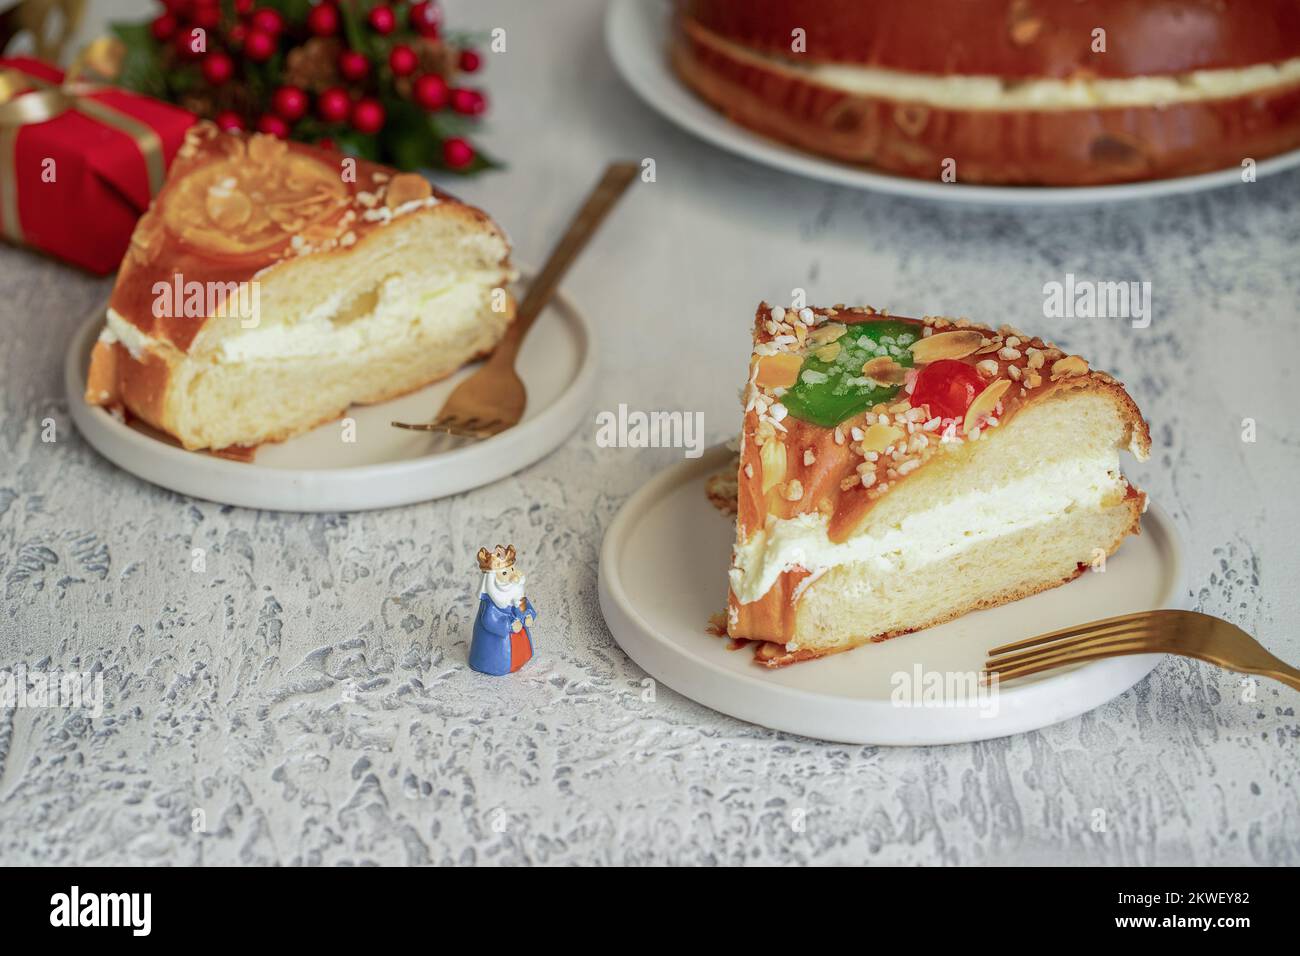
(636, 34)
(383, 466)
(663, 573)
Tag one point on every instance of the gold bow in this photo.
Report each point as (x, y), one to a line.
(43, 101)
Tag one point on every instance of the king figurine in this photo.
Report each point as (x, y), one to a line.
(501, 643)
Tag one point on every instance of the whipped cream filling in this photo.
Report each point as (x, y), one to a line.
(936, 534)
(975, 92)
(339, 325)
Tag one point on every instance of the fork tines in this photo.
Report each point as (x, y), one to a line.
(460, 427)
(1126, 634)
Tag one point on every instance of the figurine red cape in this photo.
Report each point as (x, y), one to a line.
(502, 643)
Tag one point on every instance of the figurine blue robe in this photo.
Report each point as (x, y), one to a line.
(496, 649)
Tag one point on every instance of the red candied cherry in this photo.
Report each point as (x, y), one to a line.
(259, 45)
(367, 116)
(469, 102)
(425, 18)
(164, 27)
(430, 91)
(289, 103)
(470, 61)
(230, 121)
(382, 20)
(333, 105)
(267, 20)
(353, 65)
(457, 153)
(217, 67)
(402, 60)
(273, 125)
(948, 387)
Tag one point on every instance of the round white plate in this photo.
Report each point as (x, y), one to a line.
(663, 573)
(384, 466)
(636, 33)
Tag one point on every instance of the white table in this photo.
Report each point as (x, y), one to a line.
(308, 691)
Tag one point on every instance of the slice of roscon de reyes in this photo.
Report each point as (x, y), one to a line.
(271, 285)
(896, 473)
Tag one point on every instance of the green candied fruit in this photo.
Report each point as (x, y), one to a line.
(827, 393)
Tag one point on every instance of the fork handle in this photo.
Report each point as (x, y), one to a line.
(1286, 674)
(618, 176)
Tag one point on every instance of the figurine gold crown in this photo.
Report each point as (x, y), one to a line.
(498, 559)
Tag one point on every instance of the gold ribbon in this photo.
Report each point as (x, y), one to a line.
(44, 102)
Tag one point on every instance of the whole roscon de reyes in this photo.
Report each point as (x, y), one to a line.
(271, 285)
(895, 473)
(1021, 92)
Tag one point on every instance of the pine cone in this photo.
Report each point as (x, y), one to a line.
(314, 65)
(436, 57)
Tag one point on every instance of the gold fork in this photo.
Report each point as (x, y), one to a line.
(1187, 633)
(493, 398)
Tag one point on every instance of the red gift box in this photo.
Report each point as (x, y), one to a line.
(79, 163)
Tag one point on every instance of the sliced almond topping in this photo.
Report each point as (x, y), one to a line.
(408, 187)
(946, 345)
(879, 437)
(1070, 365)
(793, 490)
(828, 353)
(1033, 379)
(827, 333)
(988, 368)
(984, 403)
(885, 371)
(772, 457)
(778, 371)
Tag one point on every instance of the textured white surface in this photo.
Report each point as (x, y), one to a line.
(309, 691)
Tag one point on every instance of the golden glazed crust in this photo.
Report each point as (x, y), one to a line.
(1014, 38)
(1052, 147)
(842, 472)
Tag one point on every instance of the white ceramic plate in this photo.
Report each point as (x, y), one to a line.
(663, 573)
(384, 466)
(636, 33)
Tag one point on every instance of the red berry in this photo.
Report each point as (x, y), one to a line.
(209, 18)
(948, 387)
(185, 42)
(367, 116)
(273, 125)
(333, 105)
(353, 65)
(217, 67)
(323, 20)
(289, 103)
(164, 27)
(430, 91)
(425, 18)
(382, 20)
(238, 33)
(470, 61)
(457, 153)
(402, 60)
(243, 7)
(229, 120)
(469, 102)
(259, 45)
(267, 20)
